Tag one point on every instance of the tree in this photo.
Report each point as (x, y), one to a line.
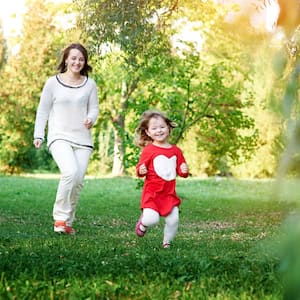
(22, 80)
(205, 91)
(151, 73)
(250, 50)
(207, 101)
(135, 30)
(2, 47)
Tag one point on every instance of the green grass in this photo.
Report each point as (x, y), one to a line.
(225, 247)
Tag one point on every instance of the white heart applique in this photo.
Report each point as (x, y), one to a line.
(165, 167)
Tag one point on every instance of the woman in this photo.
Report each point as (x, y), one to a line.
(69, 105)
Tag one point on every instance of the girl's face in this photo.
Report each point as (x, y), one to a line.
(158, 130)
(75, 61)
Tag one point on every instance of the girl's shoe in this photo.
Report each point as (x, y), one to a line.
(62, 227)
(139, 232)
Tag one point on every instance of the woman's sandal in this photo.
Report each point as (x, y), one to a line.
(62, 227)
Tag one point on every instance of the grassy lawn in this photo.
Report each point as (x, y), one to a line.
(225, 247)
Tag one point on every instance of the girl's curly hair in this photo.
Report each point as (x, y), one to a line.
(142, 139)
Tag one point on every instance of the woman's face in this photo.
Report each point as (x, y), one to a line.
(75, 61)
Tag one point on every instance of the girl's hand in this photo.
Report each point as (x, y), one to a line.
(88, 123)
(184, 168)
(143, 169)
(37, 143)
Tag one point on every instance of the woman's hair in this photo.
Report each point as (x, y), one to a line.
(142, 139)
(62, 65)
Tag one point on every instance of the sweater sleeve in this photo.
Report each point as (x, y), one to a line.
(144, 159)
(180, 160)
(93, 104)
(43, 111)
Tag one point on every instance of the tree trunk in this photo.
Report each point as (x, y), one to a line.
(118, 163)
(118, 168)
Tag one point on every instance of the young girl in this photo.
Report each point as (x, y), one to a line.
(160, 162)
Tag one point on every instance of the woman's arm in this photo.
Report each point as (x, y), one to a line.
(93, 107)
(42, 113)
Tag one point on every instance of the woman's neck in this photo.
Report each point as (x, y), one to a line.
(72, 78)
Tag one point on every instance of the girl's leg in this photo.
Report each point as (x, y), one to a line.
(171, 226)
(148, 218)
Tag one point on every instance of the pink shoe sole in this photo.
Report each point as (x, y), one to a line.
(138, 230)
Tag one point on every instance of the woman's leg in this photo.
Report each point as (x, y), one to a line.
(82, 158)
(70, 182)
(171, 226)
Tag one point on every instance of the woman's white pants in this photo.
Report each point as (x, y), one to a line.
(72, 162)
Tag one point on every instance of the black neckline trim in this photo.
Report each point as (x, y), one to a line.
(72, 86)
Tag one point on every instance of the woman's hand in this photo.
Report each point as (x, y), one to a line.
(88, 123)
(37, 143)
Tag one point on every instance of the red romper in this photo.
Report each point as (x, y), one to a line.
(163, 164)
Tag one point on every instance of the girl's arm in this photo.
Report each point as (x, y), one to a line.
(142, 170)
(182, 168)
(142, 166)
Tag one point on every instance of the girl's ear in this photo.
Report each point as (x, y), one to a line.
(147, 132)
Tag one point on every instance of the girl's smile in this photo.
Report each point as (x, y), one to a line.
(158, 131)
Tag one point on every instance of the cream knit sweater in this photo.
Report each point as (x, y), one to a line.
(65, 108)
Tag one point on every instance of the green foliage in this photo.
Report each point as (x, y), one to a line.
(22, 81)
(216, 111)
(141, 71)
(21, 93)
(3, 47)
(289, 163)
(217, 86)
(288, 107)
(128, 25)
(202, 99)
(125, 37)
(250, 53)
(226, 247)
